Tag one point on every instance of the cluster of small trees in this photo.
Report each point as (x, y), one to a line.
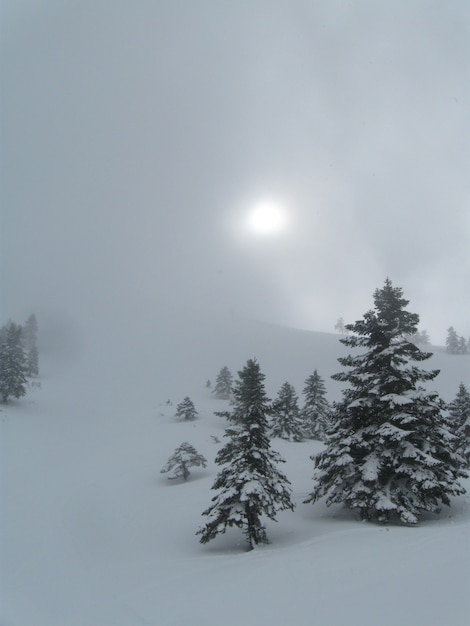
(18, 357)
(290, 422)
(286, 419)
(456, 344)
(392, 448)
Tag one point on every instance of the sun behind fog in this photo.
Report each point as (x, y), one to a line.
(267, 218)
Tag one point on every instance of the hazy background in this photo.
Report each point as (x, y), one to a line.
(137, 136)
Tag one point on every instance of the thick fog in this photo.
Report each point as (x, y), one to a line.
(138, 137)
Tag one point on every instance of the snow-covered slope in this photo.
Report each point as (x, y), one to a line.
(93, 534)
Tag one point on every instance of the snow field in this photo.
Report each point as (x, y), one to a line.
(94, 535)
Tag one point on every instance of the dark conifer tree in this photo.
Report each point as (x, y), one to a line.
(316, 410)
(459, 420)
(389, 450)
(12, 362)
(249, 484)
(223, 384)
(186, 410)
(286, 422)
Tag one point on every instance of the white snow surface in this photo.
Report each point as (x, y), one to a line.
(93, 535)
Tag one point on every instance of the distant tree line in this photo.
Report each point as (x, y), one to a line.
(456, 344)
(286, 419)
(19, 357)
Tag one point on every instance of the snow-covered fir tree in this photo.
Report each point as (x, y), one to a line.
(389, 451)
(286, 421)
(249, 484)
(316, 409)
(455, 344)
(186, 410)
(12, 362)
(184, 457)
(459, 420)
(223, 384)
(30, 332)
(452, 341)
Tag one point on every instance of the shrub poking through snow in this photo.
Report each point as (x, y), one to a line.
(249, 485)
(184, 457)
(185, 410)
(389, 450)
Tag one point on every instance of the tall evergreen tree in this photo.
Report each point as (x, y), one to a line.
(389, 450)
(316, 410)
(452, 341)
(249, 484)
(30, 332)
(12, 362)
(223, 384)
(286, 422)
(459, 419)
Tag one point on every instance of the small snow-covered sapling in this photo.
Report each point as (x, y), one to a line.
(184, 457)
(186, 410)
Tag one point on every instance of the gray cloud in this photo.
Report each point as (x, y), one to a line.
(136, 136)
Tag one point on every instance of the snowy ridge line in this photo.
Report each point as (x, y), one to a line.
(298, 495)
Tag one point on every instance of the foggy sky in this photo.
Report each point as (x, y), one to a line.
(137, 135)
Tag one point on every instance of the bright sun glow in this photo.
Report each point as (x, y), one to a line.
(267, 218)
